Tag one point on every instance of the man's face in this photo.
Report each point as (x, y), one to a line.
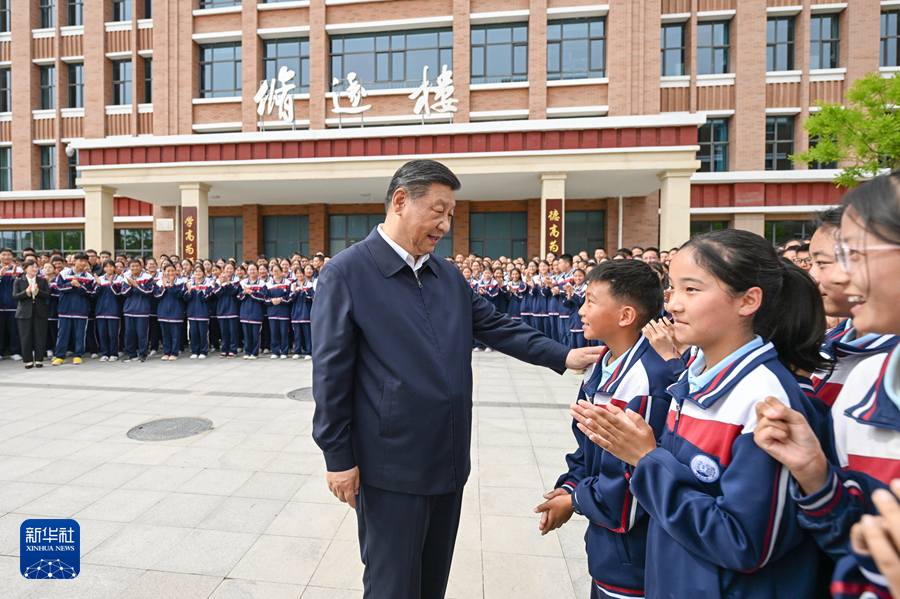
(92, 258)
(135, 268)
(802, 260)
(422, 223)
(6, 258)
(81, 264)
(649, 257)
(790, 254)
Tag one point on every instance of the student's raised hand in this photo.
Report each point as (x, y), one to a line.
(555, 512)
(624, 434)
(785, 435)
(581, 358)
(276, 300)
(879, 536)
(662, 338)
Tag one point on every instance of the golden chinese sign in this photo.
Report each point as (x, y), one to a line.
(189, 231)
(553, 226)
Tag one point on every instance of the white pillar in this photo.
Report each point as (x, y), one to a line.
(553, 187)
(755, 223)
(195, 195)
(99, 210)
(674, 208)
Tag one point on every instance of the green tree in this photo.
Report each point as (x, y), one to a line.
(865, 133)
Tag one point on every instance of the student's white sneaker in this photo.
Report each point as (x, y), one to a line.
(112, 359)
(172, 358)
(295, 357)
(165, 358)
(252, 357)
(127, 359)
(284, 356)
(49, 354)
(104, 359)
(201, 357)
(476, 349)
(95, 356)
(265, 351)
(246, 356)
(17, 357)
(153, 352)
(193, 356)
(487, 350)
(307, 357)
(274, 356)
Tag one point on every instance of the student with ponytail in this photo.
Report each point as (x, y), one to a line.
(721, 518)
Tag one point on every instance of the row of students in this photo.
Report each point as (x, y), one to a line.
(753, 464)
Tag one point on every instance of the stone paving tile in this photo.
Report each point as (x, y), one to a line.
(232, 588)
(153, 585)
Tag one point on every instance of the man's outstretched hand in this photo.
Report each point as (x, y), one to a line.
(344, 485)
(583, 357)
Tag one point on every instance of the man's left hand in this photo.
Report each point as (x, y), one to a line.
(583, 357)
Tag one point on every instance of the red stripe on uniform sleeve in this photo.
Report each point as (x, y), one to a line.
(711, 436)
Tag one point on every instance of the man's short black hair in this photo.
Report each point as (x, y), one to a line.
(6, 250)
(566, 258)
(652, 250)
(633, 283)
(803, 248)
(417, 177)
(81, 256)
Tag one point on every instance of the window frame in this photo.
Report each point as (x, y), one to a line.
(47, 90)
(697, 226)
(598, 240)
(236, 240)
(148, 9)
(302, 61)
(207, 4)
(520, 239)
(6, 89)
(6, 168)
(271, 242)
(74, 12)
(560, 73)
(372, 220)
(19, 239)
(884, 59)
(46, 14)
(712, 144)
(76, 88)
(833, 42)
(146, 249)
(48, 167)
(815, 164)
(512, 77)
(773, 145)
(664, 49)
(789, 45)
(73, 171)
(210, 91)
(121, 10)
(714, 48)
(122, 87)
(148, 80)
(4, 16)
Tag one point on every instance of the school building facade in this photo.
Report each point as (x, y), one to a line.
(215, 128)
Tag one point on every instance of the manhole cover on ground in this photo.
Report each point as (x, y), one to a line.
(168, 429)
(304, 394)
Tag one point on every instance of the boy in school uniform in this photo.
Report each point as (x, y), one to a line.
(621, 297)
(76, 287)
(140, 289)
(9, 272)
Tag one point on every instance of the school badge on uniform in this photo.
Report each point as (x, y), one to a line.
(50, 548)
(704, 468)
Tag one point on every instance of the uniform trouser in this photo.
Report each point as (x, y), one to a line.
(171, 337)
(154, 334)
(70, 329)
(33, 336)
(230, 328)
(199, 337)
(265, 335)
(279, 333)
(108, 332)
(251, 338)
(136, 331)
(215, 333)
(302, 338)
(183, 338)
(542, 324)
(406, 542)
(52, 333)
(90, 340)
(563, 325)
(553, 326)
(9, 327)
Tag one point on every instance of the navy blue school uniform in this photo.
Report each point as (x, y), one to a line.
(515, 293)
(8, 305)
(491, 291)
(553, 302)
(53, 320)
(170, 313)
(252, 311)
(576, 329)
(540, 294)
(196, 299)
(722, 523)
(154, 330)
(212, 301)
(279, 315)
(227, 313)
(567, 278)
(526, 310)
(304, 292)
(599, 482)
(74, 308)
(265, 338)
(137, 314)
(108, 313)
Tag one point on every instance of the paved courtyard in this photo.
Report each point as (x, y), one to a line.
(242, 510)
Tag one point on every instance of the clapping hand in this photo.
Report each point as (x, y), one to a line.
(276, 300)
(879, 536)
(624, 434)
(556, 511)
(76, 282)
(661, 335)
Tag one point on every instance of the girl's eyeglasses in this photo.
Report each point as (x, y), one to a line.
(845, 254)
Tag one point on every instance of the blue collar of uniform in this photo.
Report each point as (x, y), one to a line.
(726, 377)
(848, 344)
(877, 407)
(388, 261)
(699, 378)
(592, 385)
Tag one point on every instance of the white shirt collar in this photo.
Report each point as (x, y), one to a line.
(407, 257)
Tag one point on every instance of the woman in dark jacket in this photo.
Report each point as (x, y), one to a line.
(32, 313)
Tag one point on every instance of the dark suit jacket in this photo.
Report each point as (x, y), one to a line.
(28, 307)
(392, 366)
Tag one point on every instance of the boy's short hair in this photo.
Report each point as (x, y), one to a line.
(135, 261)
(81, 256)
(633, 283)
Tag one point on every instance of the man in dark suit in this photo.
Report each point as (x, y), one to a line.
(32, 313)
(392, 330)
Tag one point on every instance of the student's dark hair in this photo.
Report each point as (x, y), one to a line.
(791, 315)
(168, 265)
(637, 247)
(134, 261)
(651, 249)
(90, 251)
(81, 256)
(803, 248)
(566, 258)
(57, 259)
(578, 270)
(625, 250)
(624, 253)
(633, 283)
(199, 267)
(5, 249)
(28, 263)
(417, 177)
(109, 263)
(875, 206)
(830, 218)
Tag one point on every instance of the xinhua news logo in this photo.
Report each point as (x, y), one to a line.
(50, 549)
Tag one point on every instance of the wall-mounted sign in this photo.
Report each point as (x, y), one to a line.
(189, 231)
(553, 225)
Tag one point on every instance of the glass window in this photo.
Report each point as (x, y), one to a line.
(148, 81)
(890, 49)
(346, 229)
(74, 173)
(698, 227)
(75, 12)
(391, 59)
(825, 39)
(4, 15)
(672, 50)
(121, 10)
(813, 142)
(76, 86)
(712, 138)
(134, 242)
(219, 3)
(48, 88)
(44, 241)
(226, 237)
(576, 48)
(585, 230)
(779, 143)
(780, 44)
(500, 53)
(5, 90)
(6, 169)
(148, 9)
(48, 167)
(292, 53)
(46, 10)
(284, 235)
(220, 70)
(713, 47)
(782, 231)
(498, 234)
(121, 82)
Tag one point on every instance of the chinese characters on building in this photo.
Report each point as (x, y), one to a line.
(269, 96)
(553, 225)
(189, 231)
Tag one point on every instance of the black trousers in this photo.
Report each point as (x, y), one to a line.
(33, 337)
(406, 542)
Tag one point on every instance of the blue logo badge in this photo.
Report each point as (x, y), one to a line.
(705, 468)
(50, 548)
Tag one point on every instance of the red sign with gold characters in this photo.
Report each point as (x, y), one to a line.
(189, 231)
(553, 226)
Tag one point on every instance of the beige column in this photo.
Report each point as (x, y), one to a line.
(99, 209)
(674, 207)
(553, 187)
(196, 195)
(755, 223)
